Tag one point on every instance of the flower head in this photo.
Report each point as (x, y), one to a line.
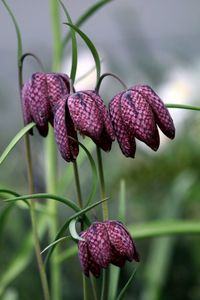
(135, 113)
(90, 117)
(39, 97)
(104, 243)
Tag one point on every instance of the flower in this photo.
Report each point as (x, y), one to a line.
(40, 95)
(104, 243)
(90, 117)
(64, 129)
(135, 113)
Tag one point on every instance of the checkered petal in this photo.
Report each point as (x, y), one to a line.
(85, 115)
(25, 104)
(138, 118)
(161, 113)
(64, 129)
(125, 139)
(121, 240)
(99, 244)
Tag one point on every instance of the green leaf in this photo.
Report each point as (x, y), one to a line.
(93, 9)
(73, 232)
(183, 106)
(91, 47)
(123, 291)
(3, 217)
(74, 45)
(15, 140)
(66, 224)
(66, 201)
(55, 242)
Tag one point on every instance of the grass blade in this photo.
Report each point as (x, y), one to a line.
(15, 140)
(123, 291)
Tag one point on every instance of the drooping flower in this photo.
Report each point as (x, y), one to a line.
(105, 243)
(64, 130)
(91, 118)
(39, 97)
(135, 113)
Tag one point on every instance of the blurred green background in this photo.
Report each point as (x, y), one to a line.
(152, 42)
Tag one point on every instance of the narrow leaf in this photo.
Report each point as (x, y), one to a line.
(73, 232)
(15, 140)
(55, 242)
(183, 106)
(91, 47)
(123, 291)
(74, 45)
(90, 12)
(66, 201)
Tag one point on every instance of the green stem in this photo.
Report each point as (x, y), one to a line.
(102, 184)
(77, 182)
(51, 155)
(105, 284)
(105, 75)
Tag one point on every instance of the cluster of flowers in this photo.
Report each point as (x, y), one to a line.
(104, 243)
(132, 113)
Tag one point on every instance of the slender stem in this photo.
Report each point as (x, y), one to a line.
(94, 287)
(104, 289)
(51, 155)
(102, 184)
(77, 182)
(182, 106)
(105, 75)
(85, 295)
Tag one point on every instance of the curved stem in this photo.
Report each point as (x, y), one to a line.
(32, 55)
(183, 106)
(105, 75)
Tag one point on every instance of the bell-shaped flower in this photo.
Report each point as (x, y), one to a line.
(65, 132)
(39, 97)
(105, 243)
(135, 113)
(91, 118)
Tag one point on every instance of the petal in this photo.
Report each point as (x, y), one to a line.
(25, 104)
(107, 136)
(121, 240)
(126, 140)
(58, 86)
(64, 128)
(99, 244)
(38, 103)
(85, 115)
(161, 113)
(138, 118)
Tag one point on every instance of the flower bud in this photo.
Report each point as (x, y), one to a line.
(104, 243)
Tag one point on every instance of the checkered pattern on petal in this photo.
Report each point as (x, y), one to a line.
(87, 263)
(107, 136)
(120, 239)
(63, 128)
(85, 114)
(25, 104)
(138, 118)
(162, 115)
(99, 244)
(125, 139)
(58, 86)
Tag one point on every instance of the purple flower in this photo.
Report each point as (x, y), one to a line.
(64, 129)
(104, 243)
(135, 113)
(90, 117)
(40, 95)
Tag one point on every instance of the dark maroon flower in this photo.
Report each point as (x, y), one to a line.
(135, 113)
(104, 243)
(64, 129)
(90, 117)
(39, 97)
